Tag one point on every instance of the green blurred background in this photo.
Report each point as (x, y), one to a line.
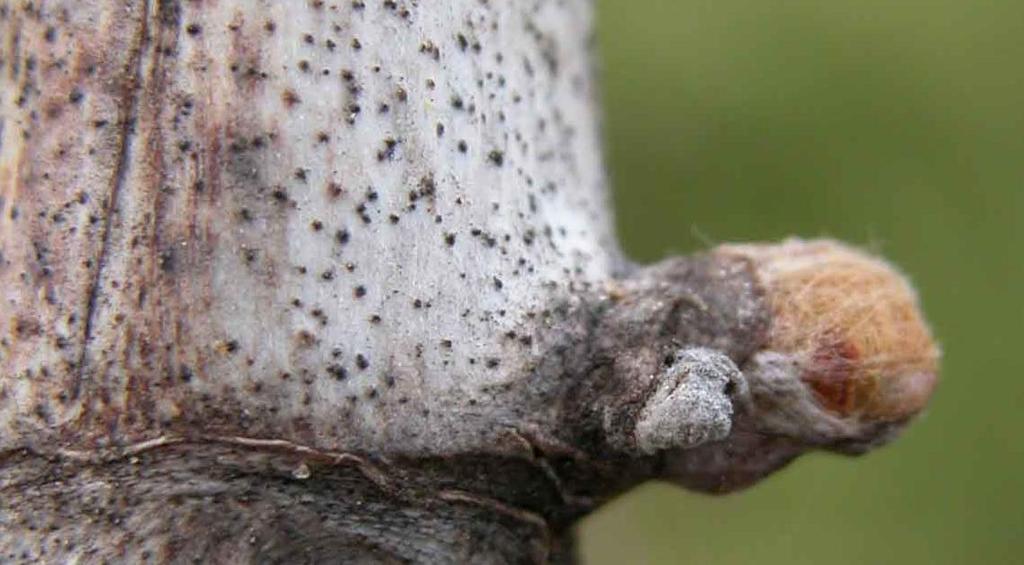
(895, 125)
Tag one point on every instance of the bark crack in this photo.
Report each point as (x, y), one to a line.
(519, 514)
(129, 105)
(374, 473)
(537, 454)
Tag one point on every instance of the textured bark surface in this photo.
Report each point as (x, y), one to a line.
(336, 281)
(285, 220)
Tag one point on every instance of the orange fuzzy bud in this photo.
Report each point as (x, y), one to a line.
(852, 324)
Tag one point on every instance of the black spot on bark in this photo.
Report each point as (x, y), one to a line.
(388, 153)
(337, 371)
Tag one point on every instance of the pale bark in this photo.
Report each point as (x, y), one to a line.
(336, 281)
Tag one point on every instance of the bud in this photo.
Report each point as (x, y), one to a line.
(848, 325)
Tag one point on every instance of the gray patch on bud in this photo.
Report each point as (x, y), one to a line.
(691, 404)
(781, 403)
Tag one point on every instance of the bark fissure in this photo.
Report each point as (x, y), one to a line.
(267, 506)
(130, 101)
(378, 475)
